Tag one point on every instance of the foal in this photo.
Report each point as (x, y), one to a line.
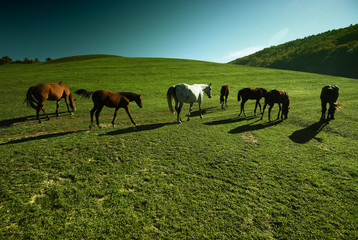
(115, 100)
(224, 93)
(329, 95)
(279, 97)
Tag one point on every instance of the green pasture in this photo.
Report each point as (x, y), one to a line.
(219, 177)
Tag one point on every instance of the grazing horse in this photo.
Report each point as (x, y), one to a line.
(189, 94)
(224, 93)
(250, 93)
(37, 95)
(279, 97)
(115, 100)
(329, 95)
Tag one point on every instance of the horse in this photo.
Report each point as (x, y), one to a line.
(329, 94)
(189, 94)
(224, 93)
(250, 93)
(280, 97)
(37, 95)
(115, 100)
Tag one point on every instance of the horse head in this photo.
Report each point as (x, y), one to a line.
(207, 90)
(138, 101)
(72, 103)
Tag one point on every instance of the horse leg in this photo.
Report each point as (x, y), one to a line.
(114, 116)
(331, 111)
(263, 111)
(279, 110)
(129, 115)
(57, 106)
(201, 114)
(191, 106)
(324, 108)
(242, 109)
(42, 107)
(68, 108)
(91, 113)
(257, 102)
(225, 102)
(178, 109)
(38, 114)
(269, 112)
(99, 109)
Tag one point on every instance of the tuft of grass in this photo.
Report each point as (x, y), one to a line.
(217, 177)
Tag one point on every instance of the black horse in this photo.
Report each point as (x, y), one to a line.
(329, 95)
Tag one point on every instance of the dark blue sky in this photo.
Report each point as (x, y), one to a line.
(211, 30)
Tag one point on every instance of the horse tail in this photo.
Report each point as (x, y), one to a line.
(30, 101)
(238, 96)
(170, 94)
(84, 93)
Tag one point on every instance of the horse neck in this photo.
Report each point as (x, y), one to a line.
(131, 96)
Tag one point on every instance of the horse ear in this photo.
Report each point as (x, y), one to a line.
(210, 85)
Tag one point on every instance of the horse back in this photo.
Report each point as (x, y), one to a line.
(109, 99)
(329, 93)
(224, 90)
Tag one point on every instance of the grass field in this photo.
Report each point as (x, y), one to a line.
(220, 177)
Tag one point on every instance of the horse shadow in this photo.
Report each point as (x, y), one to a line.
(139, 128)
(306, 134)
(252, 126)
(231, 120)
(203, 111)
(12, 121)
(40, 137)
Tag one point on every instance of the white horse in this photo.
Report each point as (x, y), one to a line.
(185, 93)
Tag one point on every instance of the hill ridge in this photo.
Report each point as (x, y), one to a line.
(334, 52)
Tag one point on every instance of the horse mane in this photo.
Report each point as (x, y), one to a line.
(130, 95)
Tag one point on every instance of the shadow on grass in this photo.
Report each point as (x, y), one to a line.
(40, 137)
(197, 112)
(252, 126)
(306, 134)
(231, 120)
(139, 128)
(9, 122)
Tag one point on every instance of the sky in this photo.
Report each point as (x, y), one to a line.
(209, 30)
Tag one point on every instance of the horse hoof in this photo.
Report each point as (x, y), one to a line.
(113, 125)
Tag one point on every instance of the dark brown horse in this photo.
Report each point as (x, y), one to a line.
(250, 93)
(115, 100)
(37, 95)
(279, 97)
(224, 93)
(329, 95)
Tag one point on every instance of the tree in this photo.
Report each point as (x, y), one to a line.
(48, 59)
(5, 60)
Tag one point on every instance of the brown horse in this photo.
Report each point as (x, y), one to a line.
(250, 93)
(329, 95)
(279, 97)
(37, 95)
(115, 100)
(224, 93)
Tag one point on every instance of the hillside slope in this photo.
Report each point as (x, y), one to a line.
(334, 53)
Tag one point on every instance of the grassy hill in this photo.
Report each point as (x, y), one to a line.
(220, 177)
(334, 53)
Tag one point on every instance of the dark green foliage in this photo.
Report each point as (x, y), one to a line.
(334, 53)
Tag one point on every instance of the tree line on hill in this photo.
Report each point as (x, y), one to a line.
(7, 60)
(333, 52)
